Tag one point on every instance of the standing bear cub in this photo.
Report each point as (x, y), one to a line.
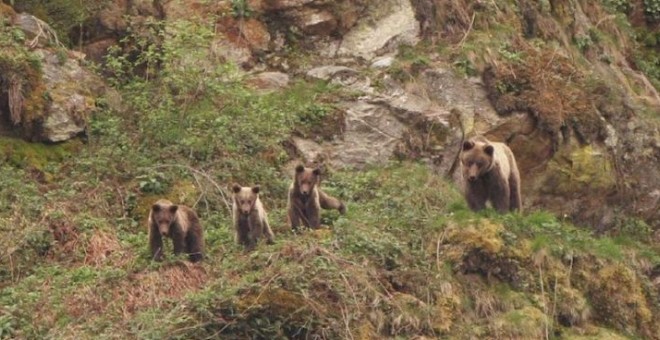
(306, 199)
(250, 219)
(179, 223)
(490, 173)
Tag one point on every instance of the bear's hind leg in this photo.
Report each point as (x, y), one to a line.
(515, 197)
(268, 232)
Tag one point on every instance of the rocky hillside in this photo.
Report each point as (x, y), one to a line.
(106, 106)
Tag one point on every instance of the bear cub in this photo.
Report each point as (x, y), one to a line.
(180, 224)
(306, 199)
(490, 173)
(250, 219)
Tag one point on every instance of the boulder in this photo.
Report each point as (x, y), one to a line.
(72, 92)
(314, 21)
(383, 31)
(269, 80)
(35, 30)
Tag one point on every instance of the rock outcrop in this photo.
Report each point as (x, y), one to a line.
(54, 101)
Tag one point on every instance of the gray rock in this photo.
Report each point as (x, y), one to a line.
(383, 31)
(383, 62)
(36, 30)
(316, 22)
(270, 80)
(72, 91)
(331, 71)
(372, 132)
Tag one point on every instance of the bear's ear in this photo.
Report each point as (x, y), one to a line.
(256, 188)
(489, 149)
(155, 208)
(300, 168)
(468, 145)
(316, 171)
(174, 208)
(236, 188)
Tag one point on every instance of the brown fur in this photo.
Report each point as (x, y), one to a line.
(490, 173)
(250, 218)
(179, 223)
(306, 199)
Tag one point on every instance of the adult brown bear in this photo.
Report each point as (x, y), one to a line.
(179, 223)
(306, 199)
(490, 173)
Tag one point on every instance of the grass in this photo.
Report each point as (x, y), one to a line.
(407, 260)
(399, 263)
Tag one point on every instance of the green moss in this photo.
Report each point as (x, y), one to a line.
(525, 323)
(581, 168)
(28, 155)
(20, 66)
(618, 299)
(179, 192)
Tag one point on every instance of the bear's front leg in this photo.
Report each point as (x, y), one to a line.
(179, 242)
(313, 217)
(156, 244)
(294, 218)
(476, 195)
(255, 230)
(500, 196)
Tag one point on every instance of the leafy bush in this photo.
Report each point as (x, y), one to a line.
(652, 9)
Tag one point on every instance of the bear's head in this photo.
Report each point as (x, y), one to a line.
(245, 197)
(306, 179)
(163, 213)
(477, 159)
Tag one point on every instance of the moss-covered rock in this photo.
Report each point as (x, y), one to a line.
(618, 299)
(578, 170)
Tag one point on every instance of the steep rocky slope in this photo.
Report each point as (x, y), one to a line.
(380, 93)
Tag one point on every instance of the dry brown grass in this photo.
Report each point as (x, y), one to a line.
(547, 85)
(101, 247)
(139, 292)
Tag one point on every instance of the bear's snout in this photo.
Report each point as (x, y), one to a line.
(472, 178)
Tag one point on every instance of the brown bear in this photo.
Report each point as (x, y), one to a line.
(250, 219)
(306, 199)
(490, 173)
(179, 223)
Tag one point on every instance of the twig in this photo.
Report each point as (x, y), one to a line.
(570, 270)
(554, 303)
(201, 173)
(545, 303)
(437, 248)
(460, 43)
(121, 201)
(263, 290)
(606, 18)
(357, 304)
(347, 322)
